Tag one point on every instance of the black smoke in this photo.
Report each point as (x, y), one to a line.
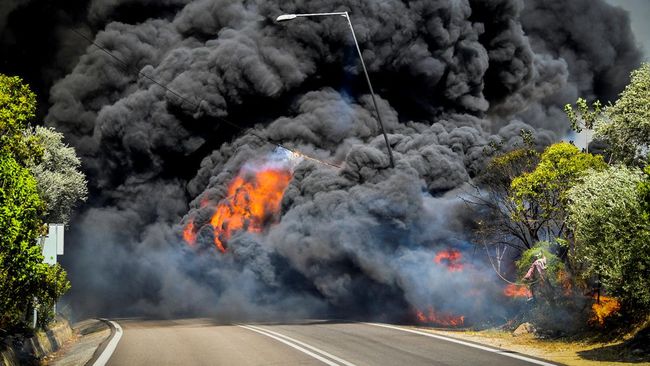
(359, 241)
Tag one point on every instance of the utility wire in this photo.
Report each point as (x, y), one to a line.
(127, 67)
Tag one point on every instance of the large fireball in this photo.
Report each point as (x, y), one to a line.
(253, 201)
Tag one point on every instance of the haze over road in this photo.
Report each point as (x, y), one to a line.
(207, 342)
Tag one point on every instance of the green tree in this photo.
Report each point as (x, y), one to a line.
(17, 108)
(625, 126)
(25, 280)
(584, 118)
(60, 182)
(495, 226)
(540, 197)
(644, 192)
(612, 232)
(21, 259)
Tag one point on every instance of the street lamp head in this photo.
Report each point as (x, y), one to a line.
(285, 17)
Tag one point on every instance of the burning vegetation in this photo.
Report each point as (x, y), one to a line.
(451, 258)
(430, 316)
(512, 290)
(602, 308)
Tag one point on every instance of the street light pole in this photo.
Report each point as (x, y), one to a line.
(287, 17)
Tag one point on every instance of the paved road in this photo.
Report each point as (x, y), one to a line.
(205, 342)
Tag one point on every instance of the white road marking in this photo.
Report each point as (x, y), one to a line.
(458, 341)
(110, 348)
(290, 344)
(335, 358)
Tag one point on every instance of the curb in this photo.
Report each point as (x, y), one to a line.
(101, 355)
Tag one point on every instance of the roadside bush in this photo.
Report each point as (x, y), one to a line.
(25, 281)
(554, 265)
(20, 225)
(612, 234)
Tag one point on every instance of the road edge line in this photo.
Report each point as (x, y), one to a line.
(106, 354)
(313, 348)
(102, 345)
(292, 345)
(468, 344)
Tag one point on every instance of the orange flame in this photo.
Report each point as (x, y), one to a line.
(188, 233)
(451, 258)
(603, 309)
(516, 291)
(442, 319)
(253, 200)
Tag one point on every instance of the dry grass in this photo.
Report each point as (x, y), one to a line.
(630, 349)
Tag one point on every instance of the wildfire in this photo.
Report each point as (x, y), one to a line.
(254, 198)
(604, 308)
(516, 291)
(442, 319)
(189, 235)
(451, 258)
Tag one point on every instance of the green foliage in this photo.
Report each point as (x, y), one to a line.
(495, 224)
(585, 117)
(17, 108)
(20, 205)
(503, 169)
(541, 195)
(527, 138)
(644, 193)
(60, 182)
(554, 265)
(20, 225)
(25, 281)
(612, 232)
(626, 124)
(55, 284)
(23, 275)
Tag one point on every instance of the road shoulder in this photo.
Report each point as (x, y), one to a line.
(564, 352)
(89, 337)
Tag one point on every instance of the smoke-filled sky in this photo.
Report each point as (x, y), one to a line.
(352, 239)
(639, 12)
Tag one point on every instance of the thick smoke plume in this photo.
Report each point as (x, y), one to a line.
(359, 241)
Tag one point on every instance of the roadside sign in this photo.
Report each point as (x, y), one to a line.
(52, 244)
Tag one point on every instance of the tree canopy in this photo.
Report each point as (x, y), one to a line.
(540, 196)
(612, 232)
(21, 261)
(625, 126)
(591, 217)
(26, 282)
(17, 109)
(495, 203)
(60, 183)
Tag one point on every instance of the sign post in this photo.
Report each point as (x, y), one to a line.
(52, 245)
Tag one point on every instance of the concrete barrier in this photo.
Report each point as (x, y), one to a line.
(37, 347)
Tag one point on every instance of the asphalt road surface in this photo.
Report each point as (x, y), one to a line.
(206, 342)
